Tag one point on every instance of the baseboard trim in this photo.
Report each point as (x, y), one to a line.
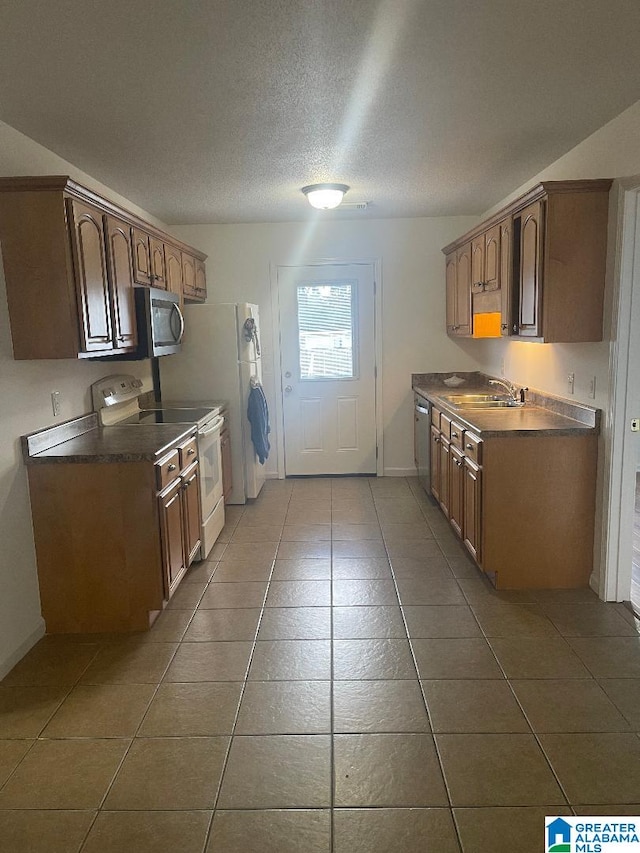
(9, 662)
(400, 472)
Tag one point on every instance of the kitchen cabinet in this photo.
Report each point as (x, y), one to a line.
(71, 258)
(173, 269)
(458, 278)
(194, 279)
(471, 518)
(546, 254)
(456, 460)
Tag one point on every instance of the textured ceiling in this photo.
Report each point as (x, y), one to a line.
(221, 110)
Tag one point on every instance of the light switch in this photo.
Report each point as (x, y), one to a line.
(635, 424)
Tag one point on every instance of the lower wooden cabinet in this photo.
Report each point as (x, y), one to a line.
(179, 511)
(471, 531)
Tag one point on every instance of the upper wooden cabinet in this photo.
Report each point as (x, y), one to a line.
(459, 291)
(194, 280)
(71, 259)
(546, 254)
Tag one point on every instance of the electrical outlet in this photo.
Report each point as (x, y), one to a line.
(56, 402)
(571, 381)
(592, 387)
(635, 424)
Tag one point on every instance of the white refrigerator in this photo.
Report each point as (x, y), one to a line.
(220, 356)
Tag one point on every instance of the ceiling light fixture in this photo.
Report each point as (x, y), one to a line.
(325, 196)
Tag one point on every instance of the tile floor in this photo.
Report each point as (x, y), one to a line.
(339, 678)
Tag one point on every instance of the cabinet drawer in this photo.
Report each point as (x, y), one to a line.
(455, 434)
(445, 426)
(472, 447)
(435, 417)
(167, 469)
(188, 452)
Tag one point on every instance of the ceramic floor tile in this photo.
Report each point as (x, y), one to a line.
(609, 657)
(11, 754)
(285, 707)
(455, 658)
(537, 657)
(402, 830)
(217, 552)
(271, 831)
(427, 550)
(238, 571)
(51, 665)
(402, 532)
(232, 595)
(295, 623)
(169, 627)
(462, 567)
(306, 550)
(470, 706)
(588, 620)
(278, 771)
(130, 662)
(625, 695)
(379, 706)
(265, 516)
(299, 594)
(478, 590)
(596, 768)
(388, 770)
(433, 567)
(565, 596)
(441, 621)
(360, 548)
(345, 568)
(169, 773)
(349, 593)
(568, 706)
(192, 710)
(157, 831)
(375, 622)
(256, 533)
(260, 553)
(200, 572)
(306, 532)
(354, 512)
(233, 624)
(301, 569)
(345, 531)
(32, 831)
(24, 711)
(429, 591)
(309, 512)
(504, 830)
(372, 659)
(291, 660)
(209, 662)
(101, 710)
(398, 510)
(187, 596)
(514, 620)
(63, 774)
(497, 770)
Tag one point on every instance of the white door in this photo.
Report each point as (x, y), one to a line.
(327, 322)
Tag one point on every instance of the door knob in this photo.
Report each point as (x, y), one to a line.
(288, 389)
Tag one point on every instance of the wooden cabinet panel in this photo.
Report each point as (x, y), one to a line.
(191, 512)
(173, 269)
(477, 264)
(443, 447)
(227, 470)
(531, 240)
(201, 280)
(455, 489)
(87, 238)
(506, 277)
(472, 521)
(435, 462)
(141, 257)
(120, 267)
(451, 266)
(172, 528)
(158, 272)
(492, 259)
(463, 291)
(188, 276)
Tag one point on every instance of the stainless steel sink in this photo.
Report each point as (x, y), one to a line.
(483, 401)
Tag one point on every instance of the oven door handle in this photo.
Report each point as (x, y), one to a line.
(217, 424)
(421, 410)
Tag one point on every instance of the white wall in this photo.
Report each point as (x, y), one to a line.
(25, 389)
(412, 264)
(613, 151)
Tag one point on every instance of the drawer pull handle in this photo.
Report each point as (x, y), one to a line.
(454, 434)
(469, 446)
(190, 451)
(171, 467)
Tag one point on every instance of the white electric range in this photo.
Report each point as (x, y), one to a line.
(116, 400)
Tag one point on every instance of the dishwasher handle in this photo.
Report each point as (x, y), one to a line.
(422, 410)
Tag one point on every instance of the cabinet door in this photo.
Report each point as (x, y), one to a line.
(455, 489)
(201, 280)
(227, 472)
(173, 268)
(463, 291)
(451, 292)
(444, 453)
(141, 257)
(506, 277)
(492, 258)
(188, 275)
(158, 272)
(120, 266)
(529, 322)
(172, 531)
(435, 463)
(92, 283)
(472, 519)
(191, 512)
(477, 264)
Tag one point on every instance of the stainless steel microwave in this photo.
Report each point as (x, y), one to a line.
(160, 324)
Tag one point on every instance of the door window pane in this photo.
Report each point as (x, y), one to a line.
(325, 330)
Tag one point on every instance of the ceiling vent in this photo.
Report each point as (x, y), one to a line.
(355, 205)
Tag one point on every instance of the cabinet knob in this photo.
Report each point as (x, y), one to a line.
(190, 451)
(171, 467)
(454, 434)
(469, 446)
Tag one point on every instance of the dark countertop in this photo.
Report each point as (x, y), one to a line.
(541, 415)
(105, 444)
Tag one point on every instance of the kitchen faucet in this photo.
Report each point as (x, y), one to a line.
(516, 395)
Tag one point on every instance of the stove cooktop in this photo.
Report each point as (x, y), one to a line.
(171, 416)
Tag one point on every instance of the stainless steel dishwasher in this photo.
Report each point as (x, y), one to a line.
(422, 441)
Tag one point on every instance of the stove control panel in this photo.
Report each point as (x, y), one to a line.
(115, 389)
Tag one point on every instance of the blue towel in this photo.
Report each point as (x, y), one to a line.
(258, 414)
